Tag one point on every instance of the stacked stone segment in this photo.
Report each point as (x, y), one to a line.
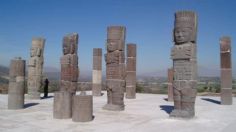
(131, 71)
(170, 84)
(16, 84)
(97, 72)
(226, 71)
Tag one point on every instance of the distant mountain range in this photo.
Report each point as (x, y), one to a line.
(54, 73)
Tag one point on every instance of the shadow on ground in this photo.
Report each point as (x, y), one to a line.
(30, 105)
(211, 100)
(167, 108)
(47, 97)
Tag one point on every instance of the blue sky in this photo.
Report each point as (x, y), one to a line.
(149, 24)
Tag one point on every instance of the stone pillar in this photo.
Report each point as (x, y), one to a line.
(69, 64)
(69, 75)
(97, 72)
(226, 71)
(115, 68)
(82, 108)
(170, 84)
(16, 84)
(131, 71)
(62, 106)
(35, 68)
(184, 58)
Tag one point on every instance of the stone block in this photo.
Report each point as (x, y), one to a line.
(97, 62)
(131, 64)
(16, 95)
(97, 51)
(82, 108)
(131, 50)
(225, 60)
(62, 106)
(226, 96)
(226, 78)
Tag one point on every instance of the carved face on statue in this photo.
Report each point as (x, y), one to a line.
(182, 34)
(111, 46)
(33, 51)
(66, 48)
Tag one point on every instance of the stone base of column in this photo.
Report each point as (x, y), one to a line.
(226, 96)
(112, 107)
(82, 108)
(170, 92)
(16, 95)
(62, 106)
(96, 90)
(130, 92)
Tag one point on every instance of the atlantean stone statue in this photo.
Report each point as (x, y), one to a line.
(115, 68)
(170, 84)
(131, 71)
(69, 64)
(226, 71)
(97, 72)
(16, 84)
(35, 68)
(184, 64)
(69, 75)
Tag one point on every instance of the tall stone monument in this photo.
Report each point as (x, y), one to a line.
(170, 84)
(131, 71)
(115, 68)
(35, 68)
(184, 59)
(69, 64)
(69, 75)
(226, 71)
(16, 84)
(97, 72)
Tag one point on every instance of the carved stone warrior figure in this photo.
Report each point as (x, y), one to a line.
(35, 68)
(226, 71)
(69, 63)
(115, 68)
(184, 58)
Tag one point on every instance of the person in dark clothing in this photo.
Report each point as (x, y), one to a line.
(46, 82)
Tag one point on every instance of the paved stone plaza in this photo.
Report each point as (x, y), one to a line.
(144, 114)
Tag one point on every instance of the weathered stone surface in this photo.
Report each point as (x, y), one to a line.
(35, 68)
(62, 106)
(82, 108)
(97, 72)
(226, 71)
(69, 63)
(184, 59)
(131, 71)
(16, 84)
(170, 84)
(115, 68)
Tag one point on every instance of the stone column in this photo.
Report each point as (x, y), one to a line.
(16, 84)
(184, 58)
(131, 71)
(115, 68)
(69, 76)
(226, 71)
(97, 72)
(170, 84)
(35, 68)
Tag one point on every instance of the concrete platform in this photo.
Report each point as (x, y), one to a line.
(146, 113)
